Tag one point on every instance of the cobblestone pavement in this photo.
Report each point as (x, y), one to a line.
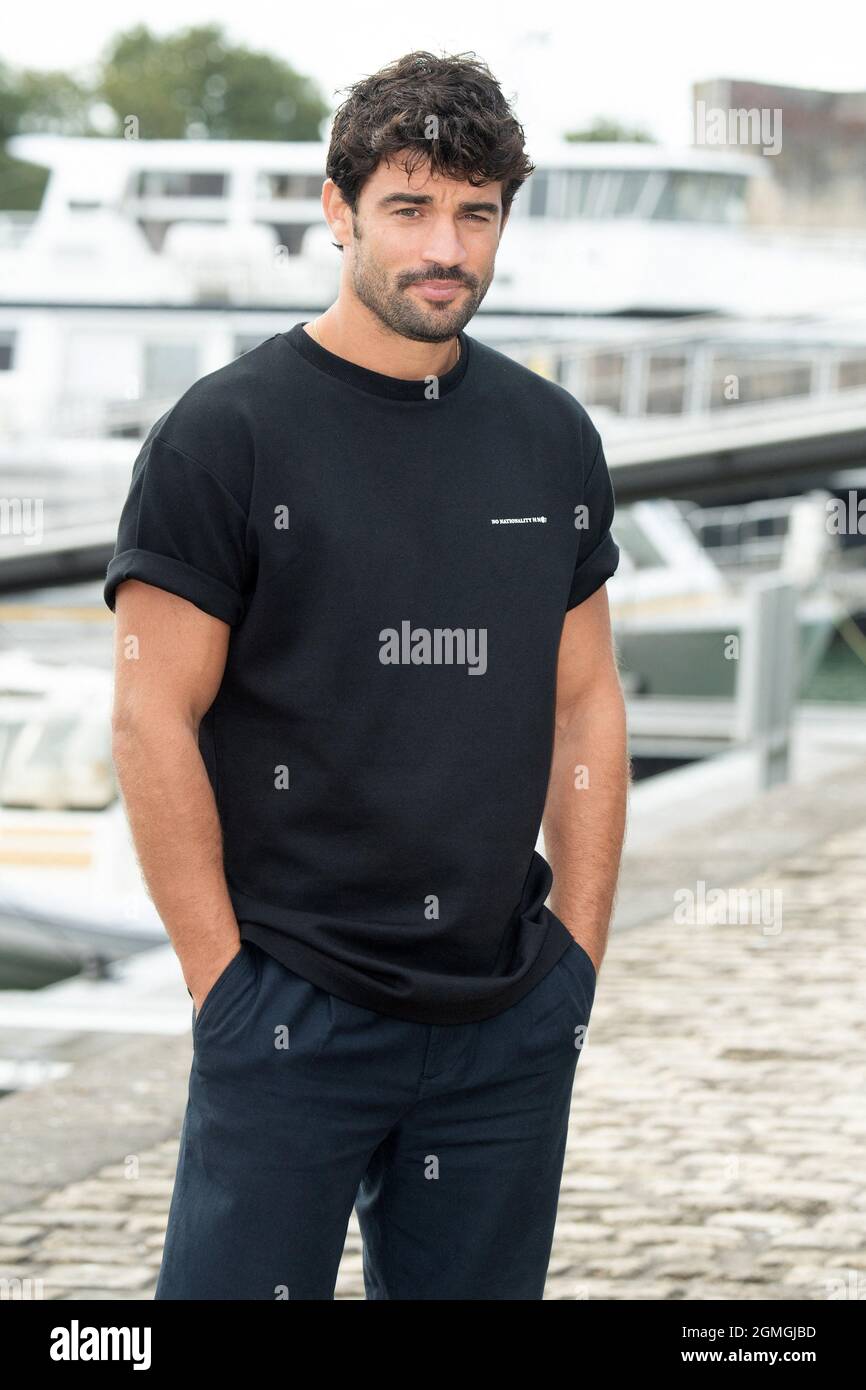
(717, 1129)
(719, 1112)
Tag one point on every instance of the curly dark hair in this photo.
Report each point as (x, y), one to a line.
(478, 138)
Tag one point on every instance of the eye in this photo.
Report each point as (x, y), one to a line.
(471, 216)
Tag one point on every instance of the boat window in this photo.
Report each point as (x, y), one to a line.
(597, 189)
(701, 197)
(758, 379)
(604, 379)
(180, 183)
(852, 372)
(628, 192)
(575, 201)
(604, 192)
(274, 185)
(538, 185)
(588, 192)
(666, 383)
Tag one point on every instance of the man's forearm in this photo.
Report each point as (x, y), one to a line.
(584, 816)
(178, 839)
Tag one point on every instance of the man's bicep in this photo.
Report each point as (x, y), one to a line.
(170, 655)
(586, 652)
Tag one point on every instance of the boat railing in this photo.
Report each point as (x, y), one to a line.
(701, 369)
(746, 534)
(761, 534)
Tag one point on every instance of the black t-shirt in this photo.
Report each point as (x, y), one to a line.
(396, 564)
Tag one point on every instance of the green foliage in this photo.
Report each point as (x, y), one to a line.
(45, 101)
(191, 84)
(34, 101)
(21, 185)
(603, 128)
(195, 84)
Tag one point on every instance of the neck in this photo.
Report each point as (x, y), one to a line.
(363, 339)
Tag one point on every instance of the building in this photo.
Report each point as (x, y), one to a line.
(816, 142)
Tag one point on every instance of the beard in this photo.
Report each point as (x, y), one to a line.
(389, 299)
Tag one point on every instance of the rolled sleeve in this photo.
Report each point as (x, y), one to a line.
(181, 530)
(597, 552)
(178, 578)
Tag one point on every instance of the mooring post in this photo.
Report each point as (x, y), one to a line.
(768, 675)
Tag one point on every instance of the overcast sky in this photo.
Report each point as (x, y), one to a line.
(561, 65)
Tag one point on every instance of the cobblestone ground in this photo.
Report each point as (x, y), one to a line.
(717, 1129)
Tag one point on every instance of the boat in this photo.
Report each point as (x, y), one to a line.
(151, 263)
(71, 893)
(679, 619)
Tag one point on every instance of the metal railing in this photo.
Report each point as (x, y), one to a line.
(656, 372)
(696, 370)
(746, 534)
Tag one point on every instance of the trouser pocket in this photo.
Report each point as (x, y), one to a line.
(561, 1002)
(226, 994)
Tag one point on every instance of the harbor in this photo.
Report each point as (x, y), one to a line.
(707, 307)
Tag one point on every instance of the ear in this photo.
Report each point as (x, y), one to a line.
(337, 213)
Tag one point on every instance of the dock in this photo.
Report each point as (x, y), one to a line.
(719, 1106)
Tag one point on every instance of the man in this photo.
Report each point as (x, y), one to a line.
(363, 650)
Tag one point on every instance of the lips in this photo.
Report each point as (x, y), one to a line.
(437, 289)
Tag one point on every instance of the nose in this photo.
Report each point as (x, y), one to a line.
(443, 247)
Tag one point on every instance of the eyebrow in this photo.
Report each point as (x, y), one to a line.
(420, 199)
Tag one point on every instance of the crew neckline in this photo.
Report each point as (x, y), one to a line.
(375, 383)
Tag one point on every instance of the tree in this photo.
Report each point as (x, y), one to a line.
(194, 84)
(31, 100)
(605, 128)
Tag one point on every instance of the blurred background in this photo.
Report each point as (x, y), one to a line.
(689, 259)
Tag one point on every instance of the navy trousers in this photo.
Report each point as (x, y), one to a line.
(447, 1140)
